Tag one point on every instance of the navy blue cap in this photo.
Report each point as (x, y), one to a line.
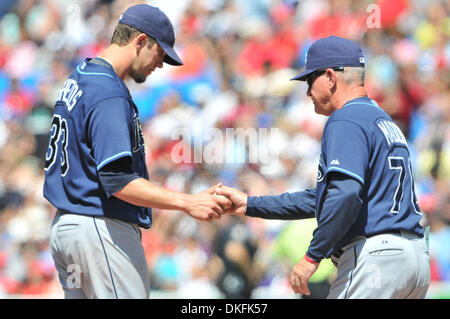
(156, 24)
(331, 52)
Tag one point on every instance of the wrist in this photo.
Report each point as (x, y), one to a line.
(181, 202)
(310, 260)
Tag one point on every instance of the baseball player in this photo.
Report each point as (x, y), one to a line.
(364, 200)
(95, 170)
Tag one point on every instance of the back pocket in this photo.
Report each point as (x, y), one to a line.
(68, 226)
(388, 251)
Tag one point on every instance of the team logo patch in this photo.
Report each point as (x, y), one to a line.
(138, 135)
(320, 174)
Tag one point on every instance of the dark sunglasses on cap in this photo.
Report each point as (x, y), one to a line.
(313, 76)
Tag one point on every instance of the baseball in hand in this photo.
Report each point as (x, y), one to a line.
(217, 195)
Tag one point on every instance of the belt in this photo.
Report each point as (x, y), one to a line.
(394, 232)
(335, 256)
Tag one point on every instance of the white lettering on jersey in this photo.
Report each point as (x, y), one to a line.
(392, 132)
(69, 93)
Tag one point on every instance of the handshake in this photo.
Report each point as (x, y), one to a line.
(216, 201)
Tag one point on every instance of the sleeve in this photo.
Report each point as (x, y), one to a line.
(110, 130)
(116, 175)
(339, 212)
(347, 150)
(287, 206)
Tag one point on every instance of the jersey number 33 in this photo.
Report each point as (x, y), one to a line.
(58, 143)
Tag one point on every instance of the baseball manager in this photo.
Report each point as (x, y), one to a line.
(364, 201)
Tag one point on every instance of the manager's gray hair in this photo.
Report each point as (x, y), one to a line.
(353, 75)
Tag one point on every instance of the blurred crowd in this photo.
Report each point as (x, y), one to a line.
(238, 58)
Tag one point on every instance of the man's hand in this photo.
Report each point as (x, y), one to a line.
(300, 275)
(205, 206)
(237, 198)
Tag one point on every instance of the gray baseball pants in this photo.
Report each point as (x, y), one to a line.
(98, 257)
(386, 266)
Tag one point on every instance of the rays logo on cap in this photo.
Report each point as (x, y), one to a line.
(306, 57)
(121, 16)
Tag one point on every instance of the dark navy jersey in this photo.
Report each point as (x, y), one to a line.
(95, 122)
(360, 144)
(361, 141)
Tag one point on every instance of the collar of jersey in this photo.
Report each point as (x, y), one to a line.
(80, 68)
(98, 60)
(362, 100)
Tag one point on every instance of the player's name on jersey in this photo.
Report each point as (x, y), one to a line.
(391, 132)
(69, 93)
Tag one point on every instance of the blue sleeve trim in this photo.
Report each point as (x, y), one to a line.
(341, 170)
(93, 73)
(113, 158)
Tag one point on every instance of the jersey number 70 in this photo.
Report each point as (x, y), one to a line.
(60, 136)
(398, 163)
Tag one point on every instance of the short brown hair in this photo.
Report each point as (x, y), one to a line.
(124, 33)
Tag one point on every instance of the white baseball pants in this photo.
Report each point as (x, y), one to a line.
(386, 266)
(98, 257)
